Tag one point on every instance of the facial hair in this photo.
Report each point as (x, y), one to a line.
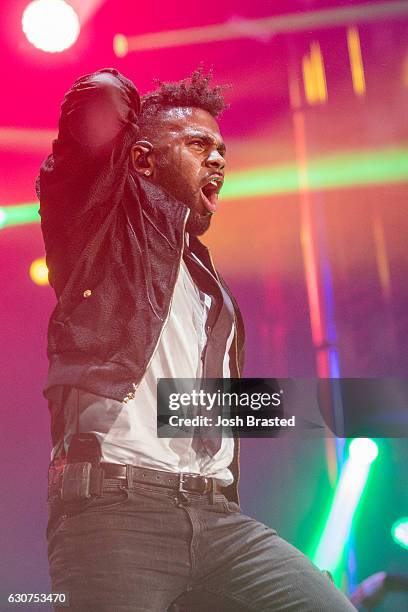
(176, 186)
(198, 224)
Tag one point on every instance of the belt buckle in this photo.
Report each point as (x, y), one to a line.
(182, 481)
(204, 480)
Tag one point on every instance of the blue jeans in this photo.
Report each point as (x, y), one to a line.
(144, 549)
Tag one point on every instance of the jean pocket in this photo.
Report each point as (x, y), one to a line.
(106, 501)
(59, 509)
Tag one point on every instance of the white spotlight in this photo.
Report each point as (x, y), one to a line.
(363, 451)
(50, 25)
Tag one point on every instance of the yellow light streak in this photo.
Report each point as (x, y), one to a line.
(314, 75)
(381, 255)
(356, 61)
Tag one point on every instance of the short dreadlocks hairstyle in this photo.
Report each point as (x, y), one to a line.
(194, 91)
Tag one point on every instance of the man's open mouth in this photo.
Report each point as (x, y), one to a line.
(209, 193)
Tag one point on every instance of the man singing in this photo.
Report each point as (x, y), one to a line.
(137, 522)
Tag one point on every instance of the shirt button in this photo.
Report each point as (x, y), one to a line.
(208, 328)
(87, 293)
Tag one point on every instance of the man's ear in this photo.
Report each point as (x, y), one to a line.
(143, 157)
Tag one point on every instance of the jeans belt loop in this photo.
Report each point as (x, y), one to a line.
(181, 483)
(96, 480)
(129, 479)
(212, 491)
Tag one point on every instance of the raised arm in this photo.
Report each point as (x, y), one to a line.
(96, 109)
(84, 177)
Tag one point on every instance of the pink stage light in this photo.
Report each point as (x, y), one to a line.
(51, 25)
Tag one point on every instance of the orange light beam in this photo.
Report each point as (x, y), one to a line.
(356, 61)
(26, 140)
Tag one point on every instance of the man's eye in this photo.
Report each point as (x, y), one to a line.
(198, 143)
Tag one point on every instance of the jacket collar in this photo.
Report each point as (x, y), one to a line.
(163, 211)
(202, 252)
(167, 214)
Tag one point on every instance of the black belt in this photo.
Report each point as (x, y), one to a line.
(189, 483)
(130, 474)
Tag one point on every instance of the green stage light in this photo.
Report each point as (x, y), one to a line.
(353, 478)
(399, 532)
(335, 171)
(18, 215)
(363, 450)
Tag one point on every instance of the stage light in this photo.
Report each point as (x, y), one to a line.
(363, 451)
(18, 215)
(269, 26)
(356, 61)
(39, 272)
(50, 25)
(334, 171)
(314, 75)
(349, 490)
(356, 168)
(399, 532)
(120, 45)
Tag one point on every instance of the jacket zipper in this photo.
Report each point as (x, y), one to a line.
(131, 395)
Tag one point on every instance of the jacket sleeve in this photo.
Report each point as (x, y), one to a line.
(83, 180)
(96, 109)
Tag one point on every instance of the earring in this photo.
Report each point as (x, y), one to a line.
(147, 173)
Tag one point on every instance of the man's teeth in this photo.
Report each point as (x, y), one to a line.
(214, 183)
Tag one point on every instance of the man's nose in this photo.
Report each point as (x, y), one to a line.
(215, 160)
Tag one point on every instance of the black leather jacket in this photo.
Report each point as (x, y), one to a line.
(114, 244)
